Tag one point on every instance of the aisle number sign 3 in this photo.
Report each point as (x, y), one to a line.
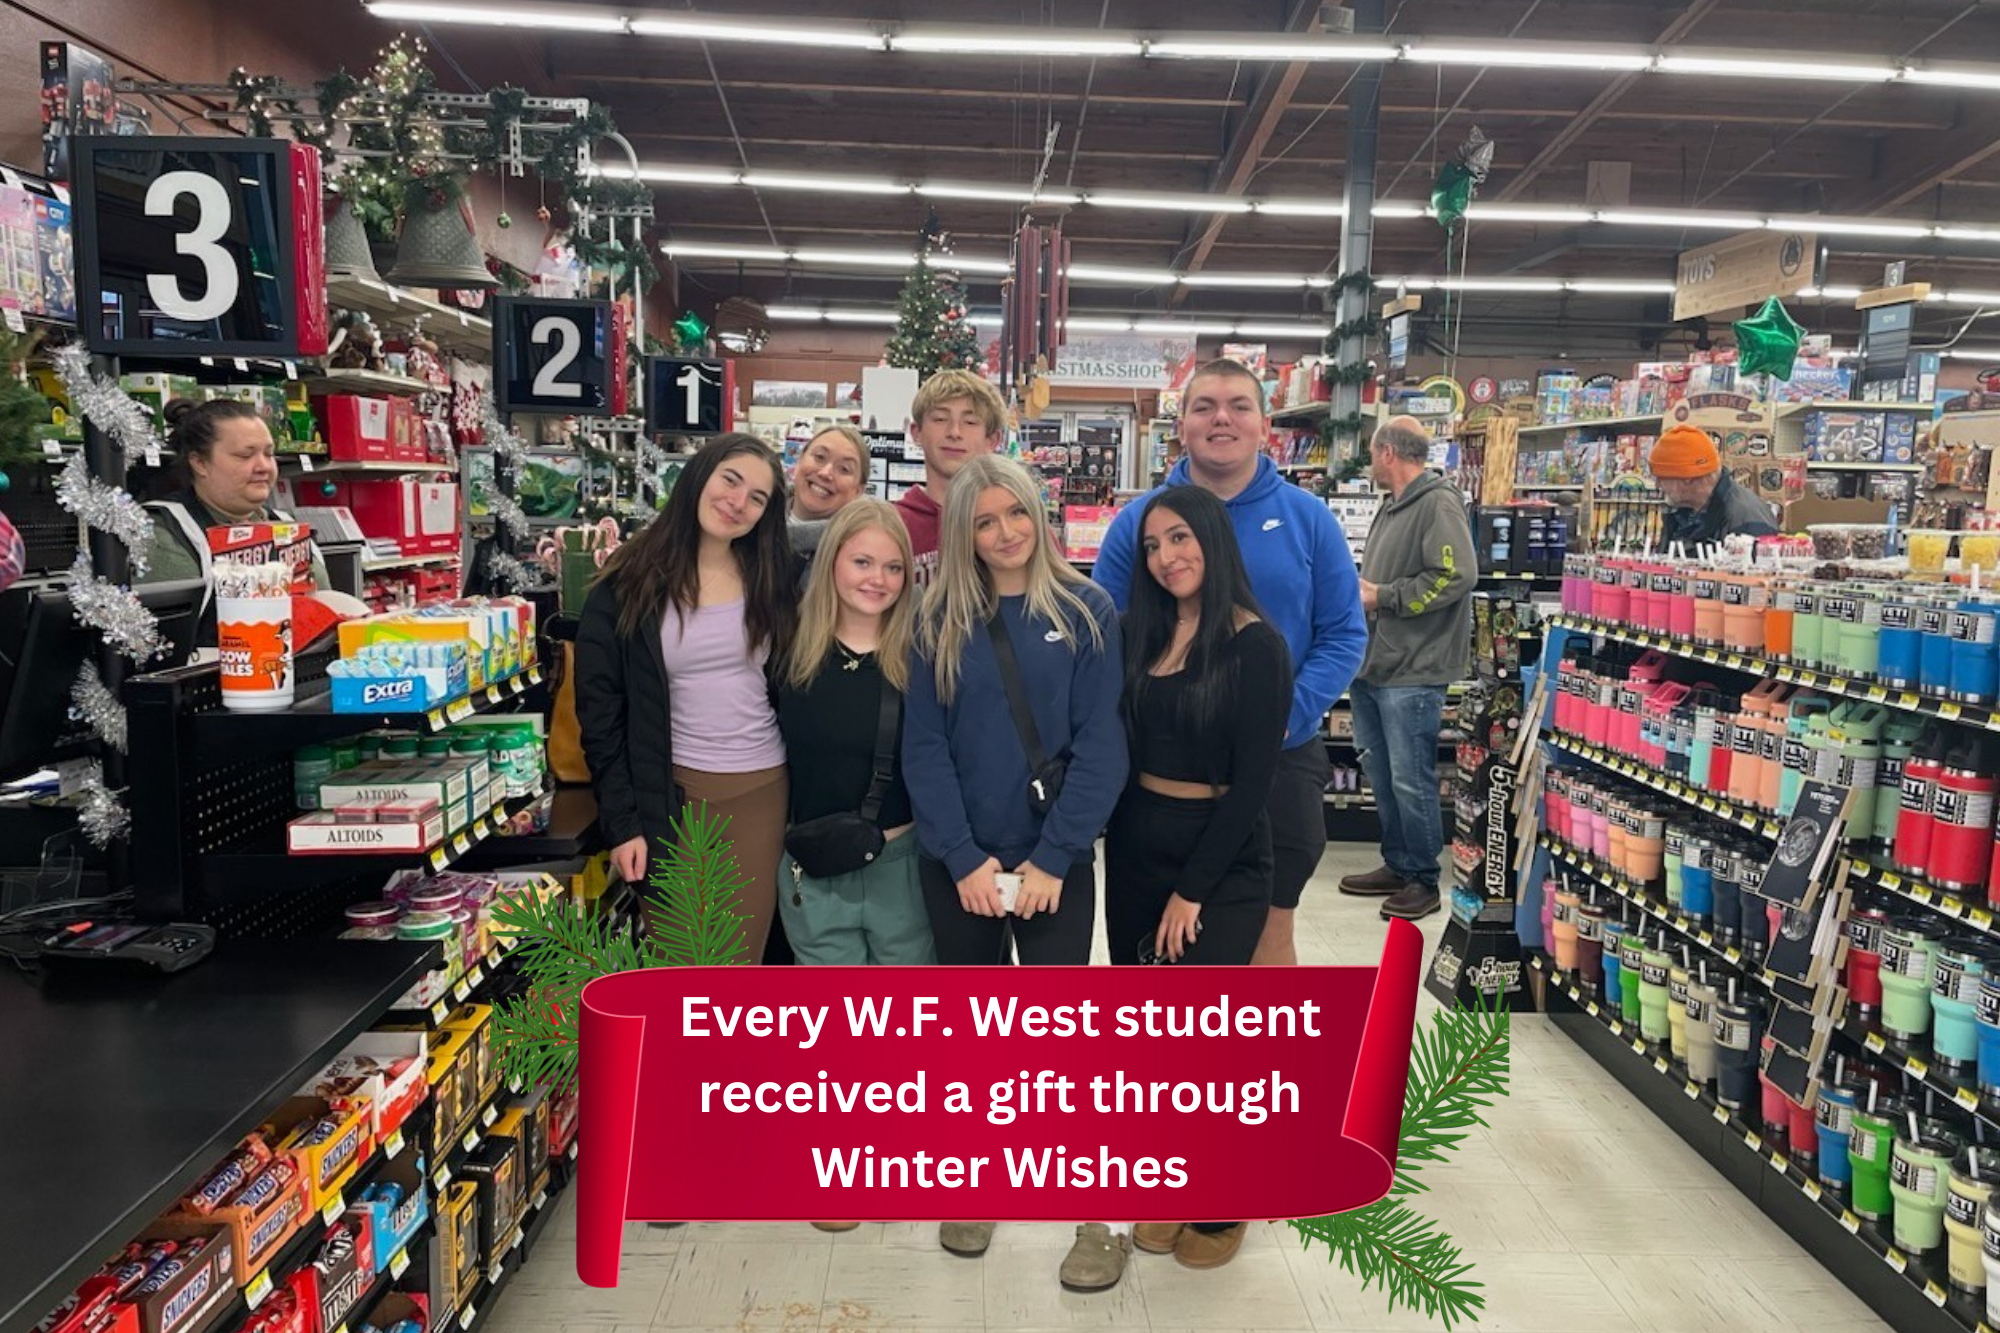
(552, 355)
(689, 396)
(200, 247)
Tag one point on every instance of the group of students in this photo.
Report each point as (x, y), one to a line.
(917, 754)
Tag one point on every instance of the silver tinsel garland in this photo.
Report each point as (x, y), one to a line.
(508, 513)
(113, 612)
(503, 439)
(94, 702)
(106, 406)
(108, 509)
(651, 466)
(513, 572)
(99, 813)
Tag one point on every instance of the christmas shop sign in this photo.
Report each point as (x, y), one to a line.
(1125, 361)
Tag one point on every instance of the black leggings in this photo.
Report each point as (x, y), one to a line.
(1060, 937)
(1150, 839)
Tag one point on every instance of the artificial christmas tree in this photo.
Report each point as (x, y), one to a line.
(933, 332)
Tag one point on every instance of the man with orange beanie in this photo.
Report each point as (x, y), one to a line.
(1704, 503)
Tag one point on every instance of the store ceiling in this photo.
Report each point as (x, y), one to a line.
(1211, 127)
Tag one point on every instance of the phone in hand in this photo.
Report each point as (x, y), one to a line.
(1010, 890)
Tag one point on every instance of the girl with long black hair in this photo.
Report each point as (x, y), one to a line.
(1188, 855)
(672, 693)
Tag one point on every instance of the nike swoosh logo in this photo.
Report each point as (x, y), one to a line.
(1271, 523)
(1053, 636)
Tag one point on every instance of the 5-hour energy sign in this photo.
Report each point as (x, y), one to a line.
(199, 247)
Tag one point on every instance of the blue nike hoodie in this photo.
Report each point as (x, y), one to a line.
(1301, 569)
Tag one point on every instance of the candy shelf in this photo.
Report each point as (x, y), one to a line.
(1971, 715)
(221, 733)
(247, 875)
(1910, 1292)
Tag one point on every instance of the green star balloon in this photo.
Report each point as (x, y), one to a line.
(690, 331)
(1768, 342)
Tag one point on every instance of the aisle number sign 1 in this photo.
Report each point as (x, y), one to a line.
(686, 396)
(198, 247)
(552, 355)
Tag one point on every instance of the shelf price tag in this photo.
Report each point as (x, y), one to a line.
(434, 719)
(461, 990)
(519, 1236)
(1659, 1064)
(440, 1011)
(1850, 1221)
(1950, 711)
(439, 858)
(441, 1178)
(488, 1116)
(1779, 1162)
(258, 1291)
(493, 1273)
(394, 1145)
(1980, 917)
(1967, 1098)
(572, 1150)
(1591, 1009)
(460, 845)
(1873, 1041)
(467, 1315)
(1638, 1047)
(335, 1209)
(492, 694)
(1876, 694)
(1894, 1258)
(1617, 1028)
(1720, 1114)
(1693, 1090)
(1811, 1188)
(1754, 1142)
(1935, 1294)
(460, 709)
(1908, 699)
(541, 1199)
(471, 1139)
(477, 975)
(399, 1263)
(1915, 1068)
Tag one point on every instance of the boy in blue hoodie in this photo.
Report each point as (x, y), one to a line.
(1304, 576)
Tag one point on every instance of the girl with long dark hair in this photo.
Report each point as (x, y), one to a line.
(1208, 687)
(672, 694)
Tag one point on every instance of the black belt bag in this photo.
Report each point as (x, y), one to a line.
(1045, 775)
(843, 843)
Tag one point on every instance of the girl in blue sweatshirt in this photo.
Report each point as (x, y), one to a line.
(965, 757)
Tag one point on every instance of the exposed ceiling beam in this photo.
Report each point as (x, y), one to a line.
(1581, 123)
(1239, 161)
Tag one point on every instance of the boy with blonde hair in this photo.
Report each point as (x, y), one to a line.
(956, 416)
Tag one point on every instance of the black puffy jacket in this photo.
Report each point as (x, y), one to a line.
(623, 713)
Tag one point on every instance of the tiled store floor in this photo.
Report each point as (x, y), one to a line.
(1546, 1221)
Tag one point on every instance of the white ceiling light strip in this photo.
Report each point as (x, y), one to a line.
(989, 40)
(1533, 214)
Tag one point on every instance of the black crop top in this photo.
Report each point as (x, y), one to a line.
(829, 729)
(1253, 719)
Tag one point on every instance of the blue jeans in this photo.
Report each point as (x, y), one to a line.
(1396, 731)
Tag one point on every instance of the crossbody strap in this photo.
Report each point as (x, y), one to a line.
(1017, 694)
(885, 752)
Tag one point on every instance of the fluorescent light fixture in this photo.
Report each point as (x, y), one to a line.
(1198, 203)
(1497, 284)
(865, 258)
(700, 250)
(1085, 324)
(678, 175)
(1300, 208)
(1830, 293)
(1948, 76)
(701, 29)
(785, 180)
(1527, 213)
(1296, 49)
(1737, 67)
(1967, 298)
(501, 16)
(1244, 280)
(1953, 232)
(1150, 277)
(1847, 226)
(1640, 217)
(1990, 355)
(1284, 330)
(1616, 286)
(1172, 327)
(964, 265)
(996, 41)
(1527, 56)
(1400, 211)
(997, 193)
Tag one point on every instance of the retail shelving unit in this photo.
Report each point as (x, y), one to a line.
(1908, 1290)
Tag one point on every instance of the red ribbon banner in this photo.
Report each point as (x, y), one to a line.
(989, 1094)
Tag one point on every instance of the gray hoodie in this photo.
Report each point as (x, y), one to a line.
(1421, 558)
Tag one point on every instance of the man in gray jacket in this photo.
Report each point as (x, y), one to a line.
(1415, 575)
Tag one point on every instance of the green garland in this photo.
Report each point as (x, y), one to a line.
(1358, 373)
(692, 900)
(1363, 326)
(1358, 281)
(1457, 1069)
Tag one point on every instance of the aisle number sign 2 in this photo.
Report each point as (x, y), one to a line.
(200, 247)
(689, 397)
(552, 355)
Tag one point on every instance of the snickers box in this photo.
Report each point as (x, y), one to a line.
(329, 1160)
(257, 1233)
(192, 1296)
(89, 1309)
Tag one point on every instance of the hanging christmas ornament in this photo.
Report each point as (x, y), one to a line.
(1768, 342)
(504, 221)
(328, 490)
(690, 331)
(6, 483)
(542, 215)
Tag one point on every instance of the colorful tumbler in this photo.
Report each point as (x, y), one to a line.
(1833, 1120)
(1986, 1016)
(1677, 1012)
(1907, 948)
(1973, 1177)
(1614, 943)
(1631, 974)
(1739, 1039)
(1920, 1179)
(1958, 967)
(1869, 1150)
(1653, 971)
(1700, 1029)
(1864, 959)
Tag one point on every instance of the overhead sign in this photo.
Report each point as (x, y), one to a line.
(1121, 361)
(1743, 270)
(199, 247)
(691, 397)
(552, 355)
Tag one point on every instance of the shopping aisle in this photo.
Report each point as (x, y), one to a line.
(1553, 1229)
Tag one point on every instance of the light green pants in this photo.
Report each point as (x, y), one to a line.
(872, 916)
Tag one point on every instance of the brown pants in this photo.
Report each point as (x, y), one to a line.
(754, 804)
